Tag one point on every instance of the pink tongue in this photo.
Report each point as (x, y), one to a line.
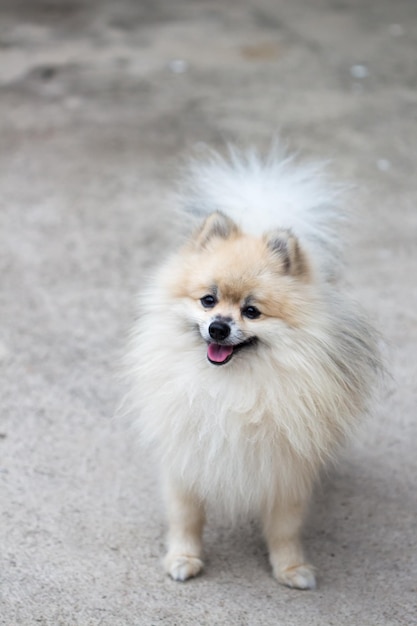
(217, 353)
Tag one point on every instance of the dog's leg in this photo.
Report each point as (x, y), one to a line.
(282, 527)
(186, 520)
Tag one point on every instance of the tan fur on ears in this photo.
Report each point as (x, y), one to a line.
(285, 245)
(217, 225)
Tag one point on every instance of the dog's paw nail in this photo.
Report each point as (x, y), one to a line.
(181, 567)
(298, 577)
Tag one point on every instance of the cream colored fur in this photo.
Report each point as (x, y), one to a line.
(250, 436)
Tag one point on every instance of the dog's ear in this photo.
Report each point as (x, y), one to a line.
(287, 249)
(217, 225)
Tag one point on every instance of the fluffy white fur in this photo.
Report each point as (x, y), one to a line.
(261, 194)
(252, 435)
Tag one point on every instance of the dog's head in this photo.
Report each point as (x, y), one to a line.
(241, 292)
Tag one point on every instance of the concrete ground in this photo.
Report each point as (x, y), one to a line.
(99, 102)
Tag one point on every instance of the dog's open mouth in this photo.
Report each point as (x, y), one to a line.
(219, 354)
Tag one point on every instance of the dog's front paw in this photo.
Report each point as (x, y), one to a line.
(298, 576)
(182, 566)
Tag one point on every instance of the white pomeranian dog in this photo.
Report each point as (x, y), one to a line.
(250, 365)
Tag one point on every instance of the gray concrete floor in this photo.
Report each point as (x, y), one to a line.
(99, 102)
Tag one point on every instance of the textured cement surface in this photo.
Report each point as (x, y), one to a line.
(99, 101)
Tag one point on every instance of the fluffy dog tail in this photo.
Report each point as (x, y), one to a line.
(265, 193)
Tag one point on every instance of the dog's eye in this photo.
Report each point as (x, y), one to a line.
(251, 312)
(208, 301)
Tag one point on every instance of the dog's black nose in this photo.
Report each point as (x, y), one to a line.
(219, 330)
